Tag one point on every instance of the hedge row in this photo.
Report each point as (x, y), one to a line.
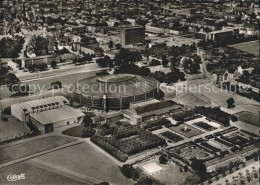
(108, 148)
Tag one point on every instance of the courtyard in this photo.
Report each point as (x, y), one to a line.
(186, 130)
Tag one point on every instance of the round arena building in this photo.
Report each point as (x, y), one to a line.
(115, 92)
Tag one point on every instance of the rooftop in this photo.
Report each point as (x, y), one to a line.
(56, 115)
(155, 106)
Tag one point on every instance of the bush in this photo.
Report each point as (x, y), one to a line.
(155, 62)
(155, 123)
(129, 171)
(88, 132)
(163, 160)
(172, 136)
(11, 47)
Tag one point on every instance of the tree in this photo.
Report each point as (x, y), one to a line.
(129, 171)
(105, 62)
(192, 180)
(12, 78)
(145, 181)
(163, 160)
(164, 61)
(20, 88)
(118, 123)
(234, 118)
(198, 166)
(88, 132)
(53, 64)
(87, 121)
(185, 168)
(111, 44)
(56, 85)
(230, 103)
(118, 46)
(245, 75)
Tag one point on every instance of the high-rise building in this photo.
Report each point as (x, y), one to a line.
(132, 35)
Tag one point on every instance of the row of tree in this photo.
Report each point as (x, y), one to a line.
(11, 47)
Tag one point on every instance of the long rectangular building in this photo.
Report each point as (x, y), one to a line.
(150, 111)
(47, 114)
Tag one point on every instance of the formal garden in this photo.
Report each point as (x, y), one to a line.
(186, 130)
(127, 140)
(204, 126)
(172, 137)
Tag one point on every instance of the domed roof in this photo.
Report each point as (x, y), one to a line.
(117, 85)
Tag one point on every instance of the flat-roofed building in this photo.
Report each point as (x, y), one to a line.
(132, 35)
(47, 114)
(151, 111)
(48, 120)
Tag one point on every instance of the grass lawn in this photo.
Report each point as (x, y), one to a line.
(74, 131)
(248, 117)
(87, 160)
(18, 151)
(250, 47)
(192, 99)
(34, 175)
(191, 131)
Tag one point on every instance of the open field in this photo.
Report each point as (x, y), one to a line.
(192, 99)
(219, 97)
(86, 160)
(248, 117)
(34, 175)
(11, 129)
(250, 47)
(31, 147)
(190, 132)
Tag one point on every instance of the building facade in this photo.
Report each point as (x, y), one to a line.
(116, 92)
(132, 35)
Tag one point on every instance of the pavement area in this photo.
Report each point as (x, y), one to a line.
(235, 178)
